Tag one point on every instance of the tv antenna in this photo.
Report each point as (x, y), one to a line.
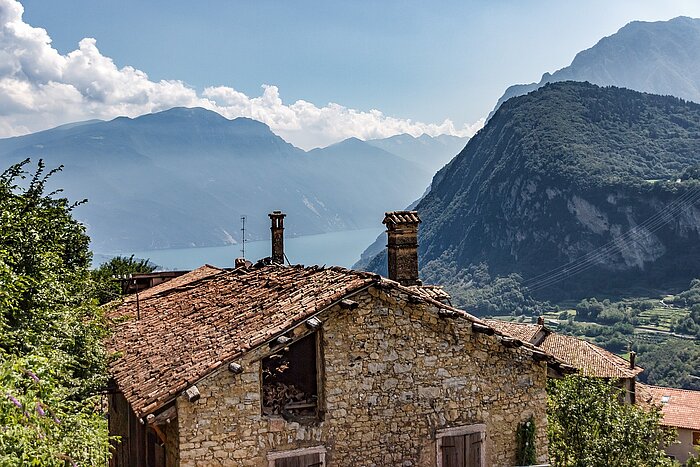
(243, 235)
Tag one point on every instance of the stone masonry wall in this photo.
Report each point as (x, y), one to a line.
(395, 373)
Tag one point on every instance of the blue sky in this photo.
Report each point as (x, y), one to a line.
(424, 61)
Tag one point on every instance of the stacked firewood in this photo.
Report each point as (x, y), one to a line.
(276, 396)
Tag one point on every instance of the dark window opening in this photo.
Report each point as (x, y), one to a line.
(290, 380)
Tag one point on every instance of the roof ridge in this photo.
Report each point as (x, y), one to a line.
(672, 389)
(606, 354)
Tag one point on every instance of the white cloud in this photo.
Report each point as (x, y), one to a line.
(40, 88)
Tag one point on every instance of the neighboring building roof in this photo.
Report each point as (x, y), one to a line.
(188, 329)
(436, 292)
(589, 358)
(523, 331)
(201, 272)
(680, 407)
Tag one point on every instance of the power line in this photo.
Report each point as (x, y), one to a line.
(617, 244)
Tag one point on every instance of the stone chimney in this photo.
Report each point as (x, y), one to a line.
(402, 246)
(277, 228)
(540, 320)
(633, 357)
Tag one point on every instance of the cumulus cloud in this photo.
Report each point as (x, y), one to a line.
(41, 88)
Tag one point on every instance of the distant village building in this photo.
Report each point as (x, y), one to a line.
(278, 365)
(681, 410)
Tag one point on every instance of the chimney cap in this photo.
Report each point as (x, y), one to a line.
(277, 214)
(401, 217)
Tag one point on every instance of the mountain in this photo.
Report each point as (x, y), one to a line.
(432, 153)
(660, 57)
(575, 187)
(183, 177)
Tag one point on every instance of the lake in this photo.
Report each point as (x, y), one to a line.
(332, 249)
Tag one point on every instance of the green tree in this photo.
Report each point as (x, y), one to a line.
(588, 426)
(106, 287)
(52, 363)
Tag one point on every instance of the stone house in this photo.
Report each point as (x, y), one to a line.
(275, 365)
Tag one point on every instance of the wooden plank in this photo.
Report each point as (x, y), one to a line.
(307, 460)
(475, 449)
(453, 451)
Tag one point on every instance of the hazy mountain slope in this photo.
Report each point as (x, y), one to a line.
(432, 153)
(571, 170)
(660, 57)
(184, 177)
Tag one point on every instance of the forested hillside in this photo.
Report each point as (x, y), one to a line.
(575, 188)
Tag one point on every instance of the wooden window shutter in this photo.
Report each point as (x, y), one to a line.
(307, 460)
(476, 448)
(453, 451)
(463, 450)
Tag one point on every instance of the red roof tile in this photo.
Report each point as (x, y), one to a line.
(523, 331)
(589, 358)
(680, 407)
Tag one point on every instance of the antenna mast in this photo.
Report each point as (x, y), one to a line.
(243, 235)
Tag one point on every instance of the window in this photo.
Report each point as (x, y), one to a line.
(461, 446)
(306, 457)
(696, 438)
(291, 380)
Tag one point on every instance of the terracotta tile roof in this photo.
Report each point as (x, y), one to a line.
(589, 358)
(436, 292)
(209, 317)
(200, 273)
(400, 217)
(523, 331)
(188, 331)
(680, 407)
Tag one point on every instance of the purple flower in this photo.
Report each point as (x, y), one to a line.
(33, 376)
(14, 400)
(40, 410)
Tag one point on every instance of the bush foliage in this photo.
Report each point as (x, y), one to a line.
(52, 363)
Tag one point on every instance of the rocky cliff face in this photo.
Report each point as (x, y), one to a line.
(574, 187)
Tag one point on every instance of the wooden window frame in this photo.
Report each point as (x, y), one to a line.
(320, 450)
(460, 431)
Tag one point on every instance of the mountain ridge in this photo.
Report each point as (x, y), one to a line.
(184, 176)
(659, 57)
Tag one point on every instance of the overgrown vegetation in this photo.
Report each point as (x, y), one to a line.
(525, 451)
(52, 363)
(107, 288)
(588, 426)
(476, 290)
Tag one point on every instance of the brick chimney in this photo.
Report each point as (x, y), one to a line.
(277, 228)
(402, 246)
